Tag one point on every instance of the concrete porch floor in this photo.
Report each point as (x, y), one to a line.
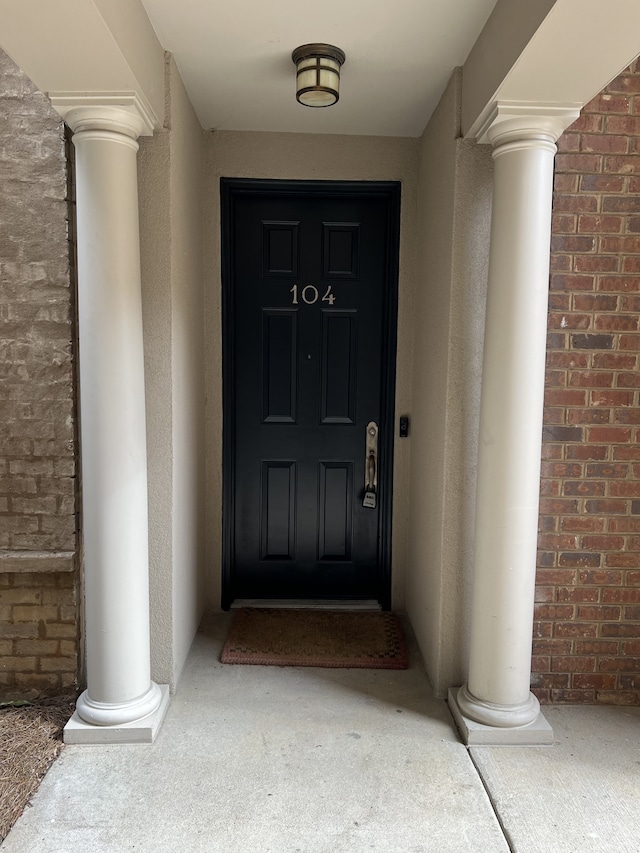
(283, 760)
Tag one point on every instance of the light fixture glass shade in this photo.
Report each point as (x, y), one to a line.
(318, 74)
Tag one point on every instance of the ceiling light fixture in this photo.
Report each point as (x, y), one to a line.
(318, 74)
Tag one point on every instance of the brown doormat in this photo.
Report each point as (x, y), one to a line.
(331, 638)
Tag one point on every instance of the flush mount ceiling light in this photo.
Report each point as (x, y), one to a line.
(318, 74)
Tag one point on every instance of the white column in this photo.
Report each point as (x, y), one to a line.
(113, 433)
(497, 693)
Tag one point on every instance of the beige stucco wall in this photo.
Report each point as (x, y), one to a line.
(170, 182)
(454, 208)
(310, 157)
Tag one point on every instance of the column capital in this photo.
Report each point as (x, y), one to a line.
(509, 121)
(118, 112)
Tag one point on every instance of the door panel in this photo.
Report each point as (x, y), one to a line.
(309, 299)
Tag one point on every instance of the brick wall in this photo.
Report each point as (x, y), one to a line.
(38, 564)
(587, 630)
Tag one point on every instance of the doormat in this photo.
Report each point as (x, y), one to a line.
(327, 638)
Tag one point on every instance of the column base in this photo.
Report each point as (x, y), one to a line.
(536, 733)
(143, 730)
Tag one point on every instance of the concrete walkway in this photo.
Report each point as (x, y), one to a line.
(270, 760)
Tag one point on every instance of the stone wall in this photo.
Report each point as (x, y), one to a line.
(587, 631)
(39, 617)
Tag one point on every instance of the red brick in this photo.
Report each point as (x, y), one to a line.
(582, 489)
(562, 433)
(618, 245)
(542, 629)
(629, 682)
(555, 378)
(553, 415)
(611, 435)
(589, 224)
(587, 451)
(561, 469)
(600, 577)
(619, 283)
(615, 322)
(603, 543)
(601, 144)
(579, 163)
(624, 165)
(569, 142)
(568, 320)
(630, 264)
(560, 263)
(633, 578)
(579, 559)
(632, 614)
(604, 103)
(628, 380)
(621, 204)
(629, 125)
(601, 682)
(626, 416)
(629, 342)
(606, 506)
(597, 647)
(624, 525)
(633, 225)
(552, 647)
(590, 379)
(594, 613)
(607, 470)
(588, 123)
(614, 361)
(600, 184)
(559, 301)
(565, 223)
(594, 263)
(572, 630)
(578, 203)
(623, 561)
(624, 490)
(564, 281)
(588, 416)
(569, 359)
(549, 488)
(619, 664)
(573, 664)
(625, 83)
(620, 629)
(630, 302)
(540, 663)
(565, 183)
(630, 647)
(556, 576)
(553, 611)
(573, 697)
(557, 541)
(570, 243)
(582, 524)
(611, 398)
(551, 451)
(564, 397)
(628, 452)
(544, 594)
(578, 594)
(619, 697)
(621, 596)
(592, 341)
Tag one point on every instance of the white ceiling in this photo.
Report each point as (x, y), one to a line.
(235, 59)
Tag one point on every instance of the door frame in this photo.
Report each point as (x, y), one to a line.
(230, 189)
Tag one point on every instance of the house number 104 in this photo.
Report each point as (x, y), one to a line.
(310, 295)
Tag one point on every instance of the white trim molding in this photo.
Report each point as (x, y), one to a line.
(131, 103)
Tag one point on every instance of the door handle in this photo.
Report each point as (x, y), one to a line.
(371, 466)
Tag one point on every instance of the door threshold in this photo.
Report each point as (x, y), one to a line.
(307, 604)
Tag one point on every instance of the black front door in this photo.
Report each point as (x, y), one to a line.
(310, 306)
